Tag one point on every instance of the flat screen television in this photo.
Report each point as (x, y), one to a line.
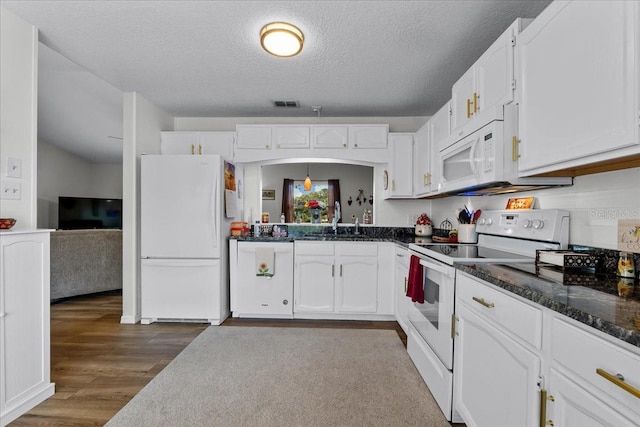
(75, 213)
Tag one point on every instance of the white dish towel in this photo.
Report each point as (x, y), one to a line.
(265, 262)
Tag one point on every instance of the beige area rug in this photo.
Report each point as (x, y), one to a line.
(254, 376)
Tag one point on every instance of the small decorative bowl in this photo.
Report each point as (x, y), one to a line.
(6, 223)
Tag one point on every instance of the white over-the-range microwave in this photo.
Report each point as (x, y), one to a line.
(486, 161)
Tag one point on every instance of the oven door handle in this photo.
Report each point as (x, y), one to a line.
(446, 270)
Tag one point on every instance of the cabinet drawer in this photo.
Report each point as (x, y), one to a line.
(582, 353)
(358, 249)
(402, 256)
(521, 319)
(313, 248)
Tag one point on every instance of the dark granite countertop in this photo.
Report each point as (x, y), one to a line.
(323, 233)
(593, 300)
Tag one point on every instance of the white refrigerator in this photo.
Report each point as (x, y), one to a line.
(183, 241)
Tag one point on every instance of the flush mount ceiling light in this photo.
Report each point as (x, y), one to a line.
(281, 39)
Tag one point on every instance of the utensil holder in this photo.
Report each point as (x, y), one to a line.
(467, 233)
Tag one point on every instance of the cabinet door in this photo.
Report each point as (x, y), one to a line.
(254, 137)
(368, 136)
(496, 377)
(216, 143)
(329, 136)
(401, 277)
(422, 162)
(494, 72)
(178, 143)
(24, 323)
(291, 136)
(401, 167)
(569, 405)
(462, 100)
(314, 283)
(265, 295)
(357, 277)
(579, 85)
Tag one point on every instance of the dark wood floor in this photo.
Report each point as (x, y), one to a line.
(98, 364)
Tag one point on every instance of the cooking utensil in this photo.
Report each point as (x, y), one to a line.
(476, 216)
(463, 217)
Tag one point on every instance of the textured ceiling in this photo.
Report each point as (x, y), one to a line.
(203, 58)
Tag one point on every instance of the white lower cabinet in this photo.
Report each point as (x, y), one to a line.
(496, 373)
(24, 323)
(401, 277)
(519, 364)
(588, 380)
(337, 279)
(569, 405)
(261, 296)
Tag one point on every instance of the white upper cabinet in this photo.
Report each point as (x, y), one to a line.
(285, 136)
(255, 137)
(398, 181)
(197, 143)
(422, 162)
(579, 85)
(329, 136)
(368, 136)
(477, 97)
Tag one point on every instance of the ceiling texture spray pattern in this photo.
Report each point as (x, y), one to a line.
(204, 59)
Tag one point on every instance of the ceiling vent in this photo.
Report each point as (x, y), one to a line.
(291, 104)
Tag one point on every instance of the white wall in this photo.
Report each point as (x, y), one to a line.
(595, 202)
(352, 178)
(143, 123)
(61, 173)
(18, 114)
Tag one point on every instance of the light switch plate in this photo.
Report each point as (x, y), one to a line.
(11, 190)
(14, 167)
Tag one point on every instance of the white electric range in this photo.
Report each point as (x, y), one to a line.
(504, 236)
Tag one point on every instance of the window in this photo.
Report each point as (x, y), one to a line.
(302, 199)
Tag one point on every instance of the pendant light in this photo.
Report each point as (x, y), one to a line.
(307, 180)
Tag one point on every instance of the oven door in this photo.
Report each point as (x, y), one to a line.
(433, 319)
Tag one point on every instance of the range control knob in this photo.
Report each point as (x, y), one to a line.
(481, 221)
(488, 221)
(538, 223)
(526, 223)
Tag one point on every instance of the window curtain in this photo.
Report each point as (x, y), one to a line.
(334, 196)
(287, 200)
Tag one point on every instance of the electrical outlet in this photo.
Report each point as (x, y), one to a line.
(14, 167)
(11, 190)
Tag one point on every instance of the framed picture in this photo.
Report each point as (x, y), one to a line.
(268, 194)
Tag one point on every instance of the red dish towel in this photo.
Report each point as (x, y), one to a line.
(415, 285)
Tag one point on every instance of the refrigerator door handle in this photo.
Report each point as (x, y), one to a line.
(214, 206)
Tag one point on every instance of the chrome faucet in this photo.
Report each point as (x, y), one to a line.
(357, 224)
(336, 217)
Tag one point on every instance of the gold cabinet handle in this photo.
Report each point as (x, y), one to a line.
(199, 149)
(340, 270)
(393, 185)
(543, 408)
(193, 149)
(333, 270)
(426, 179)
(475, 102)
(468, 108)
(405, 284)
(619, 381)
(514, 148)
(355, 145)
(344, 145)
(483, 302)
